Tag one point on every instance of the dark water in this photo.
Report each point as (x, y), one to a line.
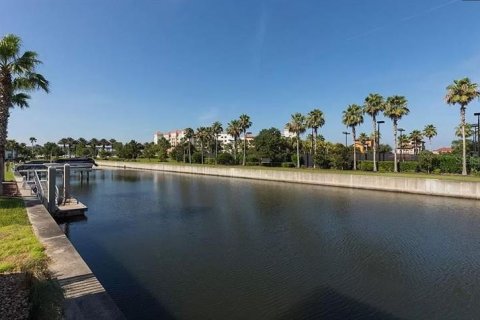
(192, 247)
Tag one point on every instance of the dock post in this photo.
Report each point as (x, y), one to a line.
(52, 176)
(66, 182)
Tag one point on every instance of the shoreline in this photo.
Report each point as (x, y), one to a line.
(416, 185)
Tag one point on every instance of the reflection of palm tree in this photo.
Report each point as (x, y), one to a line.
(395, 109)
(297, 126)
(353, 117)
(462, 92)
(315, 120)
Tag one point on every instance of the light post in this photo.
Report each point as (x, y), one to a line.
(401, 142)
(477, 114)
(378, 138)
(346, 135)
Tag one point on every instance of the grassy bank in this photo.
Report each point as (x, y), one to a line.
(9, 172)
(20, 251)
(418, 175)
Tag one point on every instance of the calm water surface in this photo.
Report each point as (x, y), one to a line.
(171, 246)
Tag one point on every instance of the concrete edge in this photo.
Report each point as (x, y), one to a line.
(85, 297)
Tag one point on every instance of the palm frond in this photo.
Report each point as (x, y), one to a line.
(31, 81)
(9, 48)
(20, 100)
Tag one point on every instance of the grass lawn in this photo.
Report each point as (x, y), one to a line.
(20, 249)
(418, 175)
(9, 173)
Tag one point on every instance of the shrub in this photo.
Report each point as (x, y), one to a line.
(450, 163)
(385, 166)
(209, 160)
(474, 164)
(197, 157)
(408, 166)
(288, 165)
(365, 165)
(437, 171)
(252, 163)
(225, 158)
(427, 161)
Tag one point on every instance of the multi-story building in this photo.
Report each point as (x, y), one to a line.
(288, 134)
(174, 137)
(225, 138)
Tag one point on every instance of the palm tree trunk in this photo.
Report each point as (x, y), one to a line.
(464, 148)
(235, 149)
(395, 168)
(374, 143)
(244, 145)
(298, 150)
(201, 146)
(354, 149)
(189, 152)
(216, 148)
(314, 146)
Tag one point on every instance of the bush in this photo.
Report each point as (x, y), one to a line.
(365, 165)
(474, 164)
(197, 157)
(408, 166)
(294, 159)
(225, 158)
(450, 163)
(252, 163)
(427, 161)
(385, 166)
(288, 165)
(209, 160)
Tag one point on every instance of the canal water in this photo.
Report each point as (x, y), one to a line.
(172, 246)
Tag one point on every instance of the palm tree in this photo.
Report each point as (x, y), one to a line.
(216, 130)
(374, 104)
(94, 143)
(103, 142)
(64, 143)
(189, 134)
(396, 107)
(245, 123)
(32, 141)
(364, 138)
(315, 120)
(202, 136)
(429, 132)
(17, 77)
(234, 129)
(468, 130)
(297, 125)
(416, 137)
(462, 92)
(353, 117)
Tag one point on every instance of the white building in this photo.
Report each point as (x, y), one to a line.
(225, 138)
(288, 134)
(174, 137)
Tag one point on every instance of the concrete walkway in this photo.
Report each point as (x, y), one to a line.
(85, 297)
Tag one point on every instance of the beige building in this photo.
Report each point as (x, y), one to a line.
(174, 137)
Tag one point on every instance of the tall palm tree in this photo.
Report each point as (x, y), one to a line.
(297, 125)
(429, 132)
(315, 120)
(245, 123)
(468, 130)
(32, 141)
(71, 142)
(189, 134)
(353, 117)
(234, 129)
(416, 137)
(202, 136)
(395, 108)
(17, 77)
(64, 143)
(216, 130)
(462, 92)
(374, 104)
(94, 143)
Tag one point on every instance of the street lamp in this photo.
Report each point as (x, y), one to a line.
(477, 114)
(401, 142)
(346, 134)
(378, 137)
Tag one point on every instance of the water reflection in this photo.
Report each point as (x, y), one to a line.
(218, 248)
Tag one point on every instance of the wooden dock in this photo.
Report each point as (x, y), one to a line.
(70, 208)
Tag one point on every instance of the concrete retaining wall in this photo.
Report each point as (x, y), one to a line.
(447, 188)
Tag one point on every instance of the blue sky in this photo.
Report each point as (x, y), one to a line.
(125, 69)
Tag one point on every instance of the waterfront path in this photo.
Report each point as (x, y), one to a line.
(85, 297)
(415, 185)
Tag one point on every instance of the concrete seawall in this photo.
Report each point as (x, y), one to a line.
(427, 186)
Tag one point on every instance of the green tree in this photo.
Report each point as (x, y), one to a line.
(202, 136)
(93, 143)
(216, 129)
(17, 77)
(395, 109)
(297, 125)
(374, 104)
(468, 129)
(64, 143)
(315, 120)
(245, 123)
(429, 132)
(32, 141)
(353, 117)
(462, 92)
(234, 129)
(269, 144)
(189, 135)
(416, 137)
